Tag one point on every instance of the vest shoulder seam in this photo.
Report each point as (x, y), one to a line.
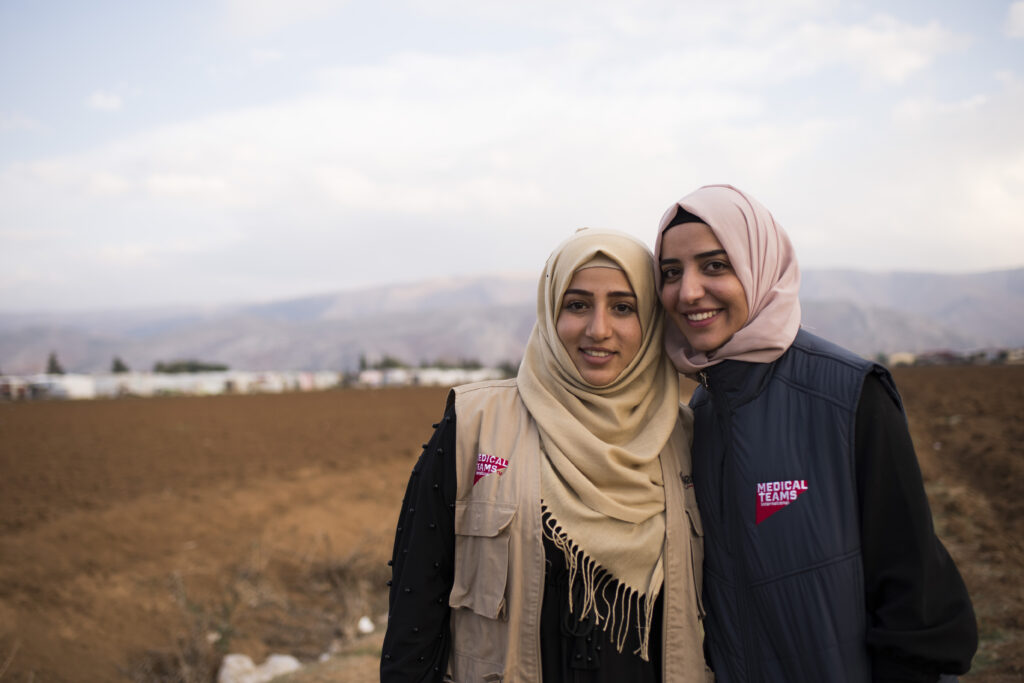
(856, 363)
(837, 401)
(487, 384)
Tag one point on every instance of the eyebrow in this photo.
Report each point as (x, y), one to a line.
(583, 292)
(703, 254)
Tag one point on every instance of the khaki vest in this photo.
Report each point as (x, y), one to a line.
(499, 553)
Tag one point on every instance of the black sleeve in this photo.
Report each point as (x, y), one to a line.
(920, 619)
(418, 638)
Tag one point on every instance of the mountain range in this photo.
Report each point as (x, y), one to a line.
(488, 318)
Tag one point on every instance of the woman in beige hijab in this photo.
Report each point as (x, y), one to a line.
(549, 530)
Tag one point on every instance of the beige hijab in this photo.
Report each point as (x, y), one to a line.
(762, 256)
(601, 480)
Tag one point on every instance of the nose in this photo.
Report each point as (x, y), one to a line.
(598, 327)
(691, 287)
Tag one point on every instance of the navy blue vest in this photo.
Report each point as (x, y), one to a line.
(775, 478)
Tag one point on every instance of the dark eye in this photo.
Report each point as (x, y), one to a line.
(623, 308)
(575, 306)
(716, 266)
(670, 273)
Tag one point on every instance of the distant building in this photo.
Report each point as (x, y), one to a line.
(111, 385)
(13, 388)
(901, 358)
(940, 357)
(70, 386)
(434, 377)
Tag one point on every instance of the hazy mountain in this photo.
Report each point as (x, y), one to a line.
(868, 330)
(488, 318)
(972, 310)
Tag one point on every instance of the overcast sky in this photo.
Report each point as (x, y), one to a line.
(245, 150)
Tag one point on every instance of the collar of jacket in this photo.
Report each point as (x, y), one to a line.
(738, 382)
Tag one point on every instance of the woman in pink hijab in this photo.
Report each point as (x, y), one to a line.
(821, 562)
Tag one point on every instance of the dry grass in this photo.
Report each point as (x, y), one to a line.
(305, 606)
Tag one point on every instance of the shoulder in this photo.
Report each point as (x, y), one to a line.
(490, 403)
(487, 386)
(811, 348)
(813, 365)
(483, 393)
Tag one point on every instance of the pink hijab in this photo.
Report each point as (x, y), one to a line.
(763, 258)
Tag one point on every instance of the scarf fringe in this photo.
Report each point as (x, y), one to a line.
(626, 604)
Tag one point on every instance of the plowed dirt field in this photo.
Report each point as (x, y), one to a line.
(141, 539)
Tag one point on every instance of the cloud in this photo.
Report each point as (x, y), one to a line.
(19, 235)
(261, 56)
(18, 122)
(1000, 188)
(666, 20)
(1015, 20)
(941, 190)
(883, 49)
(153, 250)
(125, 254)
(105, 101)
(913, 110)
(420, 163)
(255, 18)
(185, 185)
(422, 140)
(738, 42)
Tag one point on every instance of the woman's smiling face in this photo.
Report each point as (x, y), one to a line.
(598, 324)
(699, 288)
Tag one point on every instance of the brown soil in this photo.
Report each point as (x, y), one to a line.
(142, 539)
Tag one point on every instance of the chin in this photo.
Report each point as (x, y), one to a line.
(703, 345)
(598, 380)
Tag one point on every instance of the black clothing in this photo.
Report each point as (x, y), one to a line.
(921, 619)
(418, 636)
(579, 651)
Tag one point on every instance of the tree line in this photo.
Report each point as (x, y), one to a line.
(386, 362)
(118, 366)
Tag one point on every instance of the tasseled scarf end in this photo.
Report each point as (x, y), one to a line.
(617, 614)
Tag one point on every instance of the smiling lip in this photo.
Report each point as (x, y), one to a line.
(702, 318)
(597, 356)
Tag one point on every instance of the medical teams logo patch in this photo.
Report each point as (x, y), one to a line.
(488, 464)
(772, 496)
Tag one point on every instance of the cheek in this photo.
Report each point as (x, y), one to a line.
(665, 296)
(632, 336)
(744, 311)
(739, 301)
(564, 329)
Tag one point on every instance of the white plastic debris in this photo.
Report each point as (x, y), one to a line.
(365, 625)
(241, 668)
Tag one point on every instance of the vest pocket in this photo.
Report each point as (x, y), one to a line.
(696, 544)
(811, 620)
(481, 557)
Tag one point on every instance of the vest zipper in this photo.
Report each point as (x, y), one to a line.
(728, 498)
